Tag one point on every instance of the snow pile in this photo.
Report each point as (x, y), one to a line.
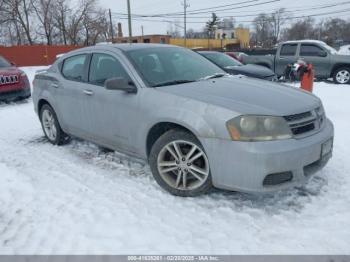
(79, 199)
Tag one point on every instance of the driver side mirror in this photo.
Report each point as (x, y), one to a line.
(323, 53)
(120, 83)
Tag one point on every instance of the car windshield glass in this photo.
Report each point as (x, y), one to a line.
(4, 62)
(222, 60)
(171, 65)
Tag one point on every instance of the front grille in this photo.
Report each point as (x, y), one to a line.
(277, 178)
(10, 79)
(297, 116)
(305, 123)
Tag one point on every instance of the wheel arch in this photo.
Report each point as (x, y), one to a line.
(338, 66)
(162, 127)
(41, 103)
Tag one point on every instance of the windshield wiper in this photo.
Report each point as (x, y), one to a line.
(217, 75)
(174, 82)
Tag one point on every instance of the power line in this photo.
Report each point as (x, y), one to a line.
(212, 9)
(250, 21)
(275, 10)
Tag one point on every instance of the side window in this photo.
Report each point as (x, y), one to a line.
(73, 67)
(288, 50)
(311, 50)
(104, 67)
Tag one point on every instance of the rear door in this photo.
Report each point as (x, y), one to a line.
(70, 95)
(317, 56)
(287, 55)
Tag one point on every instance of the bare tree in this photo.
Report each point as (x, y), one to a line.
(18, 13)
(44, 10)
(302, 29)
(278, 19)
(263, 30)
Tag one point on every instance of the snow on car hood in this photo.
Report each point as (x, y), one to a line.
(251, 70)
(247, 95)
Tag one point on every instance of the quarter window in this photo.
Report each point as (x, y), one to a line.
(73, 67)
(104, 67)
(310, 50)
(288, 50)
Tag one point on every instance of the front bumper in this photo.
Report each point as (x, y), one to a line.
(14, 95)
(243, 166)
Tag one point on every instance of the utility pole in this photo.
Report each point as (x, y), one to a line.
(111, 24)
(129, 21)
(142, 32)
(185, 5)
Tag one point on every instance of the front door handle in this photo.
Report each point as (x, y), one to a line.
(54, 85)
(88, 92)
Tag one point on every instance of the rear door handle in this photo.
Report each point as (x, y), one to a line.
(88, 92)
(54, 85)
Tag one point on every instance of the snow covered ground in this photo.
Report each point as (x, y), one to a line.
(78, 199)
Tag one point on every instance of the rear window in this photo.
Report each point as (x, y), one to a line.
(73, 67)
(310, 50)
(288, 50)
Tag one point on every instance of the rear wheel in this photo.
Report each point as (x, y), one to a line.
(180, 165)
(51, 127)
(342, 75)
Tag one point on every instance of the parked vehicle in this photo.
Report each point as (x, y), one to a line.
(237, 55)
(344, 50)
(14, 84)
(234, 67)
(198, 127)
(325, 59)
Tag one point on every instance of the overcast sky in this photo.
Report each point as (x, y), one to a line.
(244, 15)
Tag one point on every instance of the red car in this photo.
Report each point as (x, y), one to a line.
(14, 83)
(237, 55)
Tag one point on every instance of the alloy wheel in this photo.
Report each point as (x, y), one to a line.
(49, 124)
(343, 76)
(183, 165)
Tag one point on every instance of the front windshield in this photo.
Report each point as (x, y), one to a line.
(4, 62)
(222, 60)
(171, 65)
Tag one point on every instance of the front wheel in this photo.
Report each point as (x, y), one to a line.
(180, 165)
(342, 75)
(51, 127)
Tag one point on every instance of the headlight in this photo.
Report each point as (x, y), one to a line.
(258, 128)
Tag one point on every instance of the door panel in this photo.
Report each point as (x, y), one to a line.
(318, 57)
(287, 55)
(113, 113)
(70, 97)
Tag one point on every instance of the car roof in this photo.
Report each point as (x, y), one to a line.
(303, 41)
(127, 46)
(209, 52)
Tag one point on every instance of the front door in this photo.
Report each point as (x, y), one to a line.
(113, 114)
(287, 55)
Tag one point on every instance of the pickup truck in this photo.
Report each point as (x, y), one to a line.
(327, 62)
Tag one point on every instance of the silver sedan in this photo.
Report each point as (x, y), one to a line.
(198, 127)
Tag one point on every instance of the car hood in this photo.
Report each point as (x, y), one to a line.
(9, 70)
(250, 70)
(247, 95)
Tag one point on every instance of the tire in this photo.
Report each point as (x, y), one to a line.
(342, 75)
(51, 127)
(185, 176)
